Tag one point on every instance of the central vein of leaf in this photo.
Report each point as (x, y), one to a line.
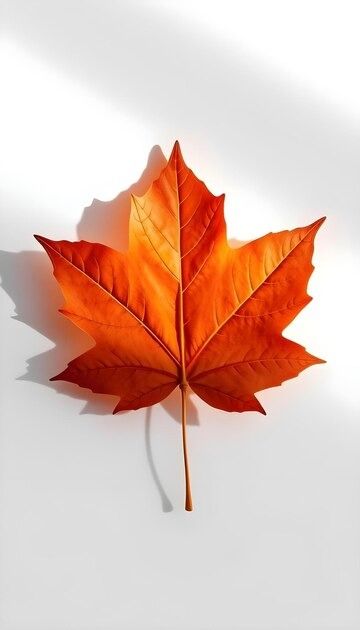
(183, 382)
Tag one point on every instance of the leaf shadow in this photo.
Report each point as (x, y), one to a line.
(27, 279)
(165, 501)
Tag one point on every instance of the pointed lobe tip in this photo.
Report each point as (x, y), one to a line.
(42, 240)
(318, 222)
(176, 153)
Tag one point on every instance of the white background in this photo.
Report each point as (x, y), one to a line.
(265, 100)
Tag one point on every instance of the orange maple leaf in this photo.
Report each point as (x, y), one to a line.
(182, 308)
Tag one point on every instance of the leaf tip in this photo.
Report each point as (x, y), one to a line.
(318, 223)
(176, 155)
(60, 377)
(258, 407)
(117, 408)
(42, 240)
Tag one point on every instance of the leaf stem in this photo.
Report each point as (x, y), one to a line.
(188, 499)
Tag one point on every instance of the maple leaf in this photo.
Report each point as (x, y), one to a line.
(181, 307)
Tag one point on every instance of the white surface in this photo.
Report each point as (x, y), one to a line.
(264, 98)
